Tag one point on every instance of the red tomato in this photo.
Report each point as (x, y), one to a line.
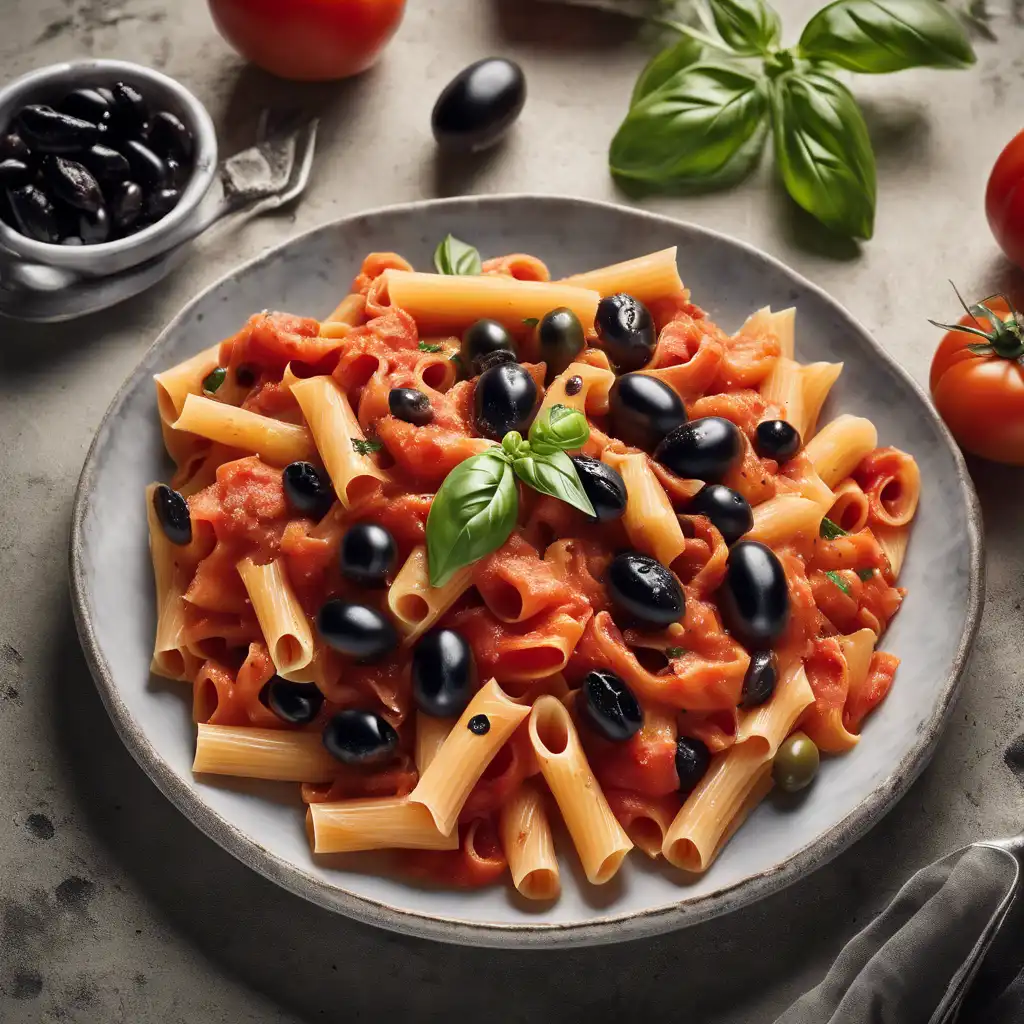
(313, 40)
(1004, 199)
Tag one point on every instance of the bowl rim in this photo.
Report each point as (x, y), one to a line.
(204, 164)
(607, 928)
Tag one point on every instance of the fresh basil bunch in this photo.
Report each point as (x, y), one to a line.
(699, 118)
(476, 507)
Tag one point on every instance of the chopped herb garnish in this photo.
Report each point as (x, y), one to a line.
(674, 652)
(367, 447)
(865, 574)
(425, 346)
(214, 379)
(839, 582)
(530, 321)
(830, 530)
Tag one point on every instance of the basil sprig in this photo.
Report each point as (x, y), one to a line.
(477, 505)
(455, 257)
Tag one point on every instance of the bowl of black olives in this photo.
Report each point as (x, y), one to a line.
(103, 165)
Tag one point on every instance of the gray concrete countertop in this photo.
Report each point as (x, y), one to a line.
(113, 908)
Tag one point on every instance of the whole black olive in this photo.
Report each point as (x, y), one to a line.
(14, 173)
(481, 340)
(106, 164)
(172, 514)
(626, 330)
(410, 405)
(603, 486)
(125, 204)
(169, 137)
(48, 131)
(34, 214)
(176, 173)
(160, 203)
(128, 115)
(753, 598)
(359, 737)
(727, 509)
(296, 703)
(70, 182)
(368, 554)
(760, 679)
(106, 94)
(478, 106)
(560, 339)
(644, 589)
(12, 147)
(307, 490)
(87, 104)
(94, 228)
(608, 705)
(776, 439)
(496, 358)
(644, 410)
(146, 166)
(443, 673)
(503, 400)
(703, 449)
(356, 630)
(692, 761)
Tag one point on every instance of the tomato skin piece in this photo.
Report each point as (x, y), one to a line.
(1004, 199)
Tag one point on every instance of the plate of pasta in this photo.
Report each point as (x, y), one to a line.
(532, 571)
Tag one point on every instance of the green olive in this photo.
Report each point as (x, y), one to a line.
(560, 339)
(796, 762)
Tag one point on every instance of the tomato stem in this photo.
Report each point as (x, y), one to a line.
(1005, 337)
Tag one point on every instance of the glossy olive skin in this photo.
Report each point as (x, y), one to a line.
(603, 486)
(14, 173)
(106, 164)
(796, 763)
(703, 449)
(125, 204)
(443, 673)
(72, 183)
(93, 228)
(479, 105)
(168, 136)
(47, 131)
(87, 104)
(692, 761)
(760, 679)
(776, 439)
(626, 331)
(356, 630)
(12, 147)
(359, 737)
(128, 110)
(504, 400)
(307, 490)
(642, 588)
(172, 514)
(146, 166)
(368, 554)
(480, 340)
(727, 509)
(644, 410)
(560, 339)
(609, 706)
(410, 405)
(34, 214)
(753, 599)
(296, 703)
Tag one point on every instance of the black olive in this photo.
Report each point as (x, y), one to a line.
(481, 339)
(87, 104)
(644, 410)
(125, 204)
(478, 106)
(14, 173)
(603, 486)
(692, 761)
(753, 599)
(410, 405)
(176, 173)
(128, 116)
(356, 630)
(71, 240)
(644, 589)
(479, 725)
(160, 202)
(727, 509)
(106, 94)
(497, 358)
(307, 490)
(146, 166)
(296, 703)
(12, 147)
(443, 673)
(173, 515)
(608, 705)
(703, 449)
(574, 385)
(560, 338)
(50, 132)
(34, 214)
(626, 330)
(94, 228)
(169, 137)
(70, 182)
(776, 439)
(503, 400)
(368, 554)
(106, 164)
(359, 737)
(760, 679)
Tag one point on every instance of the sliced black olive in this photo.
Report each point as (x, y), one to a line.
(307, 490)
(479, 105)
(644, 410)
(410, 405)
(128, 115)
(172, 514)
(609, 706)
(479, 725)
(644, 589)
(753, 598)
(368, 554)
(94, 228)
(160, 202)
(87, 104)
(727, 509)
(603, 486)
(760, 679)
(34, 214)
(13, 147)
(125, 204)
(106, 164)
(169, 137)
(297, 703)
(703, 449)
(483, 338)
(692, 761)
(14, 173)
(626, 330)
(443, 673)
(48, 131)
(560, 339)
(71, 182)
(776, 439)
(356, 630)
(359, 737)
(503, 400)
(146, 166)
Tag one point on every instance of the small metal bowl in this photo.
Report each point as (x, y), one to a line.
(50, 84)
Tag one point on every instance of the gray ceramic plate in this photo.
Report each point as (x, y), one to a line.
(263, 825)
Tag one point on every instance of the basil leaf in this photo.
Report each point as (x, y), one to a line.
(830, 530)
(839, 581)
(878, 36)
(865, 574)
(748, 26)
(703, 127)
(662, 66)
(367, 447)
(674, 652)
(553, 474)
(472, 514)
(426, 346)
(453, 256)
(214, 379)
(531, 321)
(823, 151)
(559, 428)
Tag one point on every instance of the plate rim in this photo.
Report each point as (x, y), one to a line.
(607, 928)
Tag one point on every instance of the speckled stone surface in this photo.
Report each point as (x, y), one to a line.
(112, 906)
